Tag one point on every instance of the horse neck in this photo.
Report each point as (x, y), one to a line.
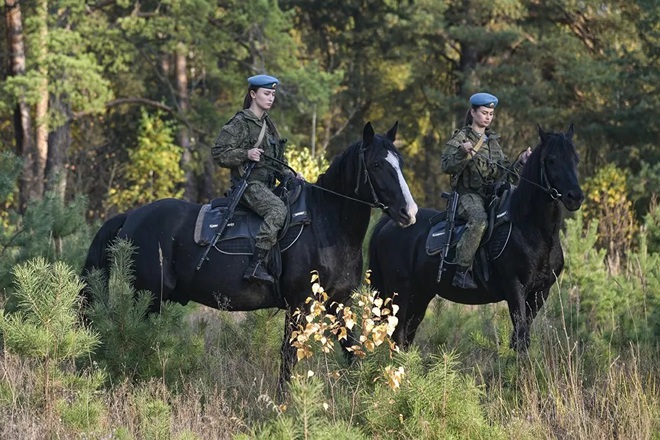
(533, 209)
(341, 177)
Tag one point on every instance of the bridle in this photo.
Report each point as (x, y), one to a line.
(545, 185)
(362, 165)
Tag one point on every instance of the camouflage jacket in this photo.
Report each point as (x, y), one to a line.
(239, 135)
(476, 174)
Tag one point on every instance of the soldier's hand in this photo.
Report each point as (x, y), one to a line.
(525, 155)
(468, 148)
(254, 154)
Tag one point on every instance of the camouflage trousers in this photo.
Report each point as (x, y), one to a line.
(471, 208)
(259, 198)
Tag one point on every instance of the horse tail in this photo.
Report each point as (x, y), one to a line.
(97, 255)
(376, 271)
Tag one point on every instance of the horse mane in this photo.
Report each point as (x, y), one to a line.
(527, 190)
(342, 164)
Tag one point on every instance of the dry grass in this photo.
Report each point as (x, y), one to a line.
(557, 392)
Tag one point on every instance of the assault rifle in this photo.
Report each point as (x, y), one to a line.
(452, 203)
(236, 194)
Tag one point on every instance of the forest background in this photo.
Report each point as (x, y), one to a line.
(110, 104)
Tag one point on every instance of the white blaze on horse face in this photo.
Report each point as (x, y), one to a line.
(410, 202)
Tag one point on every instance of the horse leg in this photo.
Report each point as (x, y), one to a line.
(413, 324)
(535, 301)
(520, 337)
(288, 355)
(522, 326)
(350, 340)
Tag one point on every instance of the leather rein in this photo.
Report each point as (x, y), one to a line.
(367, 179)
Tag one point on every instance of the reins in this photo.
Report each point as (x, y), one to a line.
(546, 187)
(375, 204)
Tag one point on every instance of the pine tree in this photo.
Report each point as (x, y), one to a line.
(136, 343)
(46, 327)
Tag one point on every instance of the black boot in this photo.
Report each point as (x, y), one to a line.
(463, 279)
(257, 269)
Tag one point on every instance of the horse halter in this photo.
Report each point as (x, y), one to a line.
(367, 179)
(547, 186)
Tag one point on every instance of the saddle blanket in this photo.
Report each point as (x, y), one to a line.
(239, 236)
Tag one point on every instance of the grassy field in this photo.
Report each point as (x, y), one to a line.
(197, 373)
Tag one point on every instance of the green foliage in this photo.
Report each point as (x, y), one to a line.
(50, 229)
(82, 414)
(10, 167)
(46, 328)
(301, 160)
(45, 324)
(437, 402)
(153, 171)
(134, 342)
(154, 416)
(306, 416)
(652, 226)
(644, 188)
(606, 306)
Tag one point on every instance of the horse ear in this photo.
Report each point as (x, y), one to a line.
(542, 134)
(391, 133)
(368, 134)
(570, 132)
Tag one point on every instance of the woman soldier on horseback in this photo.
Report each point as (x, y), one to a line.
(247, 136)
(475, 160)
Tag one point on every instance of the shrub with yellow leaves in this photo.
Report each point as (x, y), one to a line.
(302, 160)
(319, 328)
(607, 202)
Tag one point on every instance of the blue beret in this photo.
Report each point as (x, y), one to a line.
(484, 99)
(265, 81)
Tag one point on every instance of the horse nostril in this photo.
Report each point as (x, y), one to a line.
(404, 213)
(577, 196)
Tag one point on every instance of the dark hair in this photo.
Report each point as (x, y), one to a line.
(247, 101)
(468, 116)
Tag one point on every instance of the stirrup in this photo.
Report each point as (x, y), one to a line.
(258, 272)
(463, 280)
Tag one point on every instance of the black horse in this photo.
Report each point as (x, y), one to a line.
(367, 174)
(524, 272)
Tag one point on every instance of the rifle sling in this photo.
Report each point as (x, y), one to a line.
(479, 143)
(262, 133)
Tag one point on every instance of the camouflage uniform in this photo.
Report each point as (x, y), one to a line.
(472, 179)
(239, 135)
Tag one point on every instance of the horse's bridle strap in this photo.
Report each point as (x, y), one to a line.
(367, 179)
(375, 204)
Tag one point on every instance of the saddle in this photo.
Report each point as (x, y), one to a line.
(238, 237)
(493, 242)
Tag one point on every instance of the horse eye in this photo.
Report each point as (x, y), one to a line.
(375, 164)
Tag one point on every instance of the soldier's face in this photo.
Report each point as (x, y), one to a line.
(483, 116)
(263, 98)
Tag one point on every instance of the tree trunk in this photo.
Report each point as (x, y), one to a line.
(59, 142)
(41, 113)
(22, 119)
(181, 79)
